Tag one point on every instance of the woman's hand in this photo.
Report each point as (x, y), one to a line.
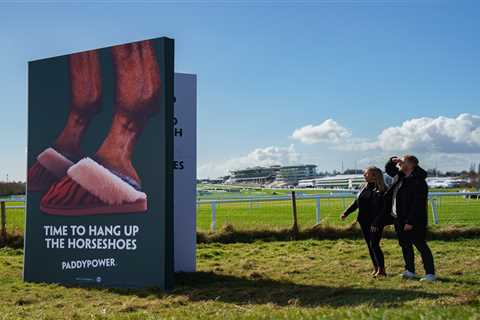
(343, 216)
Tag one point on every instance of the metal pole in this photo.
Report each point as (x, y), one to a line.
(317, 211)
(214, 216)
(294, 213)
(435, 211)
(3, 220)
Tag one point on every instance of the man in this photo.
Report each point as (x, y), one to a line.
(408, 199)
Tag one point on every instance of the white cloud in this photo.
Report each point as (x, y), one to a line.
(327, 131)
(440, 135)
(258, 157)
(442, 161)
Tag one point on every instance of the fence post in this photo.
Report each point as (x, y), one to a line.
(214, 216)
(317, 211)
(434, 211)
(3, 220)
(294, 212)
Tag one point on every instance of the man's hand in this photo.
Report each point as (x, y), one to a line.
(343, 216)
(398, 161)
(408, 227)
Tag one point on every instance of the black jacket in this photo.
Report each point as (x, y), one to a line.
(370, 203)
(412, 197)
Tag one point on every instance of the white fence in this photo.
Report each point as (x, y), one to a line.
(433, 198)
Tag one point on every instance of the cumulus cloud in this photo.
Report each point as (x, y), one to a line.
(442, 161)
(441, 135)
(258, 157)
(327, 131)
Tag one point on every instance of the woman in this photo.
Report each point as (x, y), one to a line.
(371, 205)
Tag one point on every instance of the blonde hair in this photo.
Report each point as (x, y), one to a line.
(379, 179)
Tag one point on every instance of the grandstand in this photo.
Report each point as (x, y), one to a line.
(275, 176)
(291, 175)
(255, 175)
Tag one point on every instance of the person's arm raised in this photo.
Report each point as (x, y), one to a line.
(391, 167)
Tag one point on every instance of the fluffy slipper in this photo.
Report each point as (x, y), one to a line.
(90, 189)
(49, 167)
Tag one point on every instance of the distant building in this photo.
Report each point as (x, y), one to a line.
(446, 182)
(340, 181)
(255, 175)
(291, 175)
(278, 176)
(210, 181)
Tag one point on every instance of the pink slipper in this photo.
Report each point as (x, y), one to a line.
(91, 189)
(49, 167)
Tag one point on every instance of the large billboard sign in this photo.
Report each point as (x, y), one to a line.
(100, 167)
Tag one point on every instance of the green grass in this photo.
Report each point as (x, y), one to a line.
(264, 280)
(453, 210)
(15, 217)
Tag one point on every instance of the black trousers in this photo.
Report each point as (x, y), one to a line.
(373, 243)
(415, 237)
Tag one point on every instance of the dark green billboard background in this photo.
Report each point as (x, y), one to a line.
(148, 260)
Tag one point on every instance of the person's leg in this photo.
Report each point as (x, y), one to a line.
(137, 99)
(404, 240)
(367, 236)
(419, 241)
(86, 89)
(375, 238)
(85, 86)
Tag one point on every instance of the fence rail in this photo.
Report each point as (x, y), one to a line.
(276, 211)
(433, 197)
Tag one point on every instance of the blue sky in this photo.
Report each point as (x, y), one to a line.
(392, 76)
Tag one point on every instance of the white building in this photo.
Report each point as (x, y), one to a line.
(340, 181)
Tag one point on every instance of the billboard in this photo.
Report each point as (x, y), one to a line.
(100, 167)
(185, 171)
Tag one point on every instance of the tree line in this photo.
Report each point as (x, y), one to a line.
(12, 188)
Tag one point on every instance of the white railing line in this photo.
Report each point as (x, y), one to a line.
(282, 198)
(325, 196)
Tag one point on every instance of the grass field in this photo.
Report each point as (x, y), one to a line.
(453, 210)
(278, 214)
(263, 280)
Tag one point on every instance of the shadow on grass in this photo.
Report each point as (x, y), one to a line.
(209, 286)
(459, 281)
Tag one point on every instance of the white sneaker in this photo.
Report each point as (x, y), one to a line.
(429, 278)
(408, 275)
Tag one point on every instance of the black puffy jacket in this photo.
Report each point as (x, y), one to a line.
(370, 203)
(412, 197)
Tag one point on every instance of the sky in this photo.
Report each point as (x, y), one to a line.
(280, 82)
